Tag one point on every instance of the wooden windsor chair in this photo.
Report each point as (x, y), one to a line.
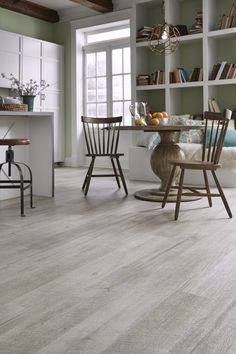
(102, 139)
(214, 135)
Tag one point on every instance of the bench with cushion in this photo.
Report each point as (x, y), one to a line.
(190, 142)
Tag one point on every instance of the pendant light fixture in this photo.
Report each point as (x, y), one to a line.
(164, 38)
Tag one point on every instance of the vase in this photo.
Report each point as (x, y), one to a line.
(29, 100)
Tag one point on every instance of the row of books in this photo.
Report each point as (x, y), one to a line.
(213, 105)
(229, 21)
(157, 78)
(144, 33)
(180, 75)
(224, 70)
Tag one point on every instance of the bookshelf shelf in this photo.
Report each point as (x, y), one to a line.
(191, 37)
(150, 87)
(187, 84)
(223, 33)
(197, 50)
(221, 82)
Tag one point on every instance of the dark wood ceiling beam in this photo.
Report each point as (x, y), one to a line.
(98, 5)
(28, 8)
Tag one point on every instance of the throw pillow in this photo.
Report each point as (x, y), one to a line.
(230, 138)
(188, 136)
(149, 140)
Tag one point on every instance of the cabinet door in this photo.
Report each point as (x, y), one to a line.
(9, 56)
(31, 64)
(52, 65)
(54, 102)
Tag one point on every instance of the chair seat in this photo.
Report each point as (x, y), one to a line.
(108, 155)
(16, 141)
(195, 165)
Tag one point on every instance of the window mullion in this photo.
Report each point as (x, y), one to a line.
(123, 84)
(109, 82)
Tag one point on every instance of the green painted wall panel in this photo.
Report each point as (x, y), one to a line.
(14, 22)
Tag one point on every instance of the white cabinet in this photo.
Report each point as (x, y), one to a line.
(200, 50)
(53, 97)
(29, 58)
(31, 64)
(44, 61)
(9, 56)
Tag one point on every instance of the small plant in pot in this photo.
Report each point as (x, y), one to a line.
(27, 91)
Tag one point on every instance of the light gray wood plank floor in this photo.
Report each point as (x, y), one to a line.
(110, 274)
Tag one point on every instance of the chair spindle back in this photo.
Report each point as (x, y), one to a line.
(215, 131)
(100, 138)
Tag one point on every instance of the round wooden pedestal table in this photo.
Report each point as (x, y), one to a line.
(166, 150)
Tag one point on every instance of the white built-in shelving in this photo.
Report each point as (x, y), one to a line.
(201, 50)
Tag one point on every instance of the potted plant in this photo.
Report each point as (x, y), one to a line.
(27, 91)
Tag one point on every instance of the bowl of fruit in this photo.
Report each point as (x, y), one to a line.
(157, 118)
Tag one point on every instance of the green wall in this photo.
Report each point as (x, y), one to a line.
(58, 33)
(25, 25)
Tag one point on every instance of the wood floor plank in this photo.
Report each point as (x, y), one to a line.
(110, 274)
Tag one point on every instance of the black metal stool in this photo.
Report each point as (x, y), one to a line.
(21, 183)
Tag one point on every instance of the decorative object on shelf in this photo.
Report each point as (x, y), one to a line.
(29, 101)
(164, 38)
(27, 91)
(13, 107)
(197, 25)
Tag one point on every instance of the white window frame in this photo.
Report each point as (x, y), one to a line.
(78, 29)
(107, 29)
(106, 46)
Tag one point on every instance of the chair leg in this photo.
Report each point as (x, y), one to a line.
(168, 187)
(222, 194)
(207, 188)
(89, 176)
(121, 175)
(115, 172)
(21, 188)
(181, 180)
(31, 183)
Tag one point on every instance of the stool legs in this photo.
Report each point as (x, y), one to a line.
(20, 183)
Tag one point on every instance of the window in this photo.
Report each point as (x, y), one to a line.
(107, 81)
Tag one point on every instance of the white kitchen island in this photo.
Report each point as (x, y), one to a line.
(38, 127)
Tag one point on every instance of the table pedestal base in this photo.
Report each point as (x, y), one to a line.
(156, 195)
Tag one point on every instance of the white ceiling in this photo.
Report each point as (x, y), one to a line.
(55, 4)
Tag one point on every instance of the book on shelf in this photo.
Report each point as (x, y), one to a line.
(143, 79)
(143, 33)
(221, 68)
(177, 76)
(225, 71)
(210, 105)
(200, 78)
(184, 74)
(232, 10)
(225, 22)
(214, 71)
(228, 21)
(213, 105)
(222, 71)
(196, 74)
(183, 30)
(159, 77)
(233, 22)
(230, 71)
